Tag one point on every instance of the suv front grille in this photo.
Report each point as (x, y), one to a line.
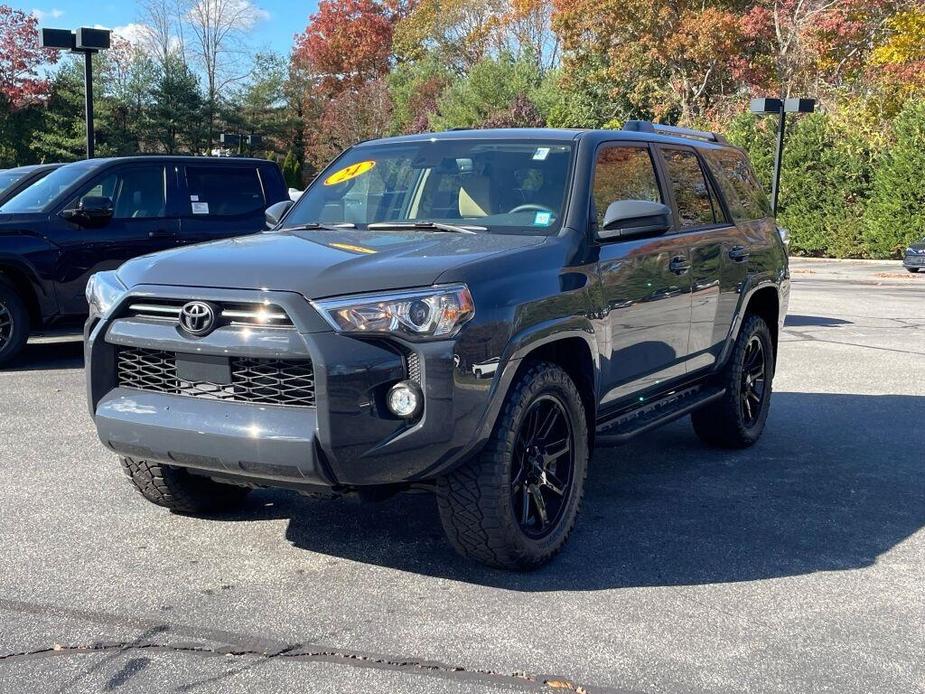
(251, 314)
(263, 381)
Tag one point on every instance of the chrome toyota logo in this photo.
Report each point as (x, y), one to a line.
(197, 318)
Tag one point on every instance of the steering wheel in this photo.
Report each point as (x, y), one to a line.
(532, 207)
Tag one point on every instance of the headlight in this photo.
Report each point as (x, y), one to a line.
(104, 291)
(418, 314)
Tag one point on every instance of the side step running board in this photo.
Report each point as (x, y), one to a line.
(655, 413)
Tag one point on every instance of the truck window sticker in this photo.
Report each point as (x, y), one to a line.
(348, 172)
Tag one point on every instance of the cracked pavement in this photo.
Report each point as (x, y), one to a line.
(794, 566)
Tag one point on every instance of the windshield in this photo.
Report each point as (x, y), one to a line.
(40, 195)
(8, 179)
(509, 187)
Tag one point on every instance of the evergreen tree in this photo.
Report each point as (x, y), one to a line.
(176, 119)
(896, 213)
(62, 136)
(292, 171)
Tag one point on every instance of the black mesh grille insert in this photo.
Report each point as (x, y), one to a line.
(264, 381)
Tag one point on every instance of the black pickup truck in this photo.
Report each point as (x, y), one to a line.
(94, 215)
(467, 312)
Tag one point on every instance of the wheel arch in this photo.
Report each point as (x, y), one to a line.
(19, 279)
(571, 347)
(763, 300)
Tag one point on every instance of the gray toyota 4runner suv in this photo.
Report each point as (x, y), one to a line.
(468, 312)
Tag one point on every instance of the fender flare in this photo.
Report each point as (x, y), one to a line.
(736, 326)
(519, 347)
(45, 301)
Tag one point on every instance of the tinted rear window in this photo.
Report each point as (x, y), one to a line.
(744, 194)
(224, 191)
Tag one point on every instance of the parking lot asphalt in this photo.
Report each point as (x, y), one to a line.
(795, 566)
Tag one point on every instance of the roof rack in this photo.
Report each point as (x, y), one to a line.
(644, 126)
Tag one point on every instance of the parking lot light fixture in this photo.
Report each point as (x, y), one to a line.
(85, 40)
(780, 108)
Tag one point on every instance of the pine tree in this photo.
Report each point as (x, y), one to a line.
(896, 212)
(292, 171)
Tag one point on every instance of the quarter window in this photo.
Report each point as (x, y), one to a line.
(744, 194)
(623, 173)
(224, 191)
(696, 206)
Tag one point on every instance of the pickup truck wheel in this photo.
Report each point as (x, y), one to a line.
(14, 323)
(737, 419)
(514, 506)
(180, 491)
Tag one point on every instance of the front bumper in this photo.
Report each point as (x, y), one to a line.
(914, 261)
(347, 439)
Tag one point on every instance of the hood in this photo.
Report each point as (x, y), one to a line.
(319, 264)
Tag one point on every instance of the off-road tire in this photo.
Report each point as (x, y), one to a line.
(181, 492)
(16, 331)
(723, 423)
(476, 508)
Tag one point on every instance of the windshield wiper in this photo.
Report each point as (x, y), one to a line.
(427, 226)
(310, 226)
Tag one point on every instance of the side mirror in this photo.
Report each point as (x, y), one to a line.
(626, 219)
(92, 210)
(275, 212)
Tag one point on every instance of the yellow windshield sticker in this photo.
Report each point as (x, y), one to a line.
(349, 172)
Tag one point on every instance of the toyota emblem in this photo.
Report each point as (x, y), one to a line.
(197, 318)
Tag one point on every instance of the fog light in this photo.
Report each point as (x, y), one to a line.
(405, 399)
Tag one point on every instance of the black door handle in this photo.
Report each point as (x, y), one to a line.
(679, 265)
(738, 253)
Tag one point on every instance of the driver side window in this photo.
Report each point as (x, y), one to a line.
(623, 173)
(136, 193)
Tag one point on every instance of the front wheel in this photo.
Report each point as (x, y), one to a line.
(514, 506)
(14, 323)
(737, 419)
(912, 269)
(181, 492)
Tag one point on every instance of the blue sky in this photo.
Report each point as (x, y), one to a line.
(280, 19)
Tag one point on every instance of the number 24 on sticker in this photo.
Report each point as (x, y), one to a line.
(349, 172)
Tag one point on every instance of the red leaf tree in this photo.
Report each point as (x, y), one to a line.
(347, 43)
(20, 57)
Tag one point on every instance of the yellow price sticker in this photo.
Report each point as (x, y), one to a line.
(349, 172)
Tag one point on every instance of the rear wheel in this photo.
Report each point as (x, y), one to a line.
(175, 488)
(737, 419)
(515, 505)
(14, 323)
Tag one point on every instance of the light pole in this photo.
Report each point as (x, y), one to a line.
(780, 108)
(87, 41)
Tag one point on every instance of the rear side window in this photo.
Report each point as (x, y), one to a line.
(623, 173)
(744, 194)
(224, 191)
(696, 206)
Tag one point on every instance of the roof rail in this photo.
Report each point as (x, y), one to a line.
(644, 126)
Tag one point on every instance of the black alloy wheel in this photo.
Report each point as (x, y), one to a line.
(754, 380)
(513, 506)
(738, 417)
(6, 324)
(543, 467)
